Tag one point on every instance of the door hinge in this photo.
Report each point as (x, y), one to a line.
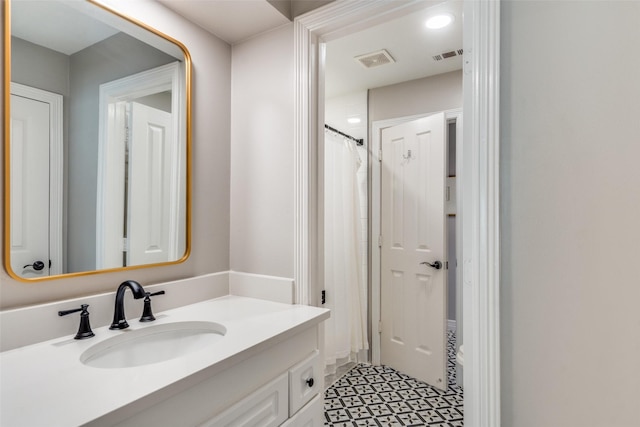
(323, 297)
(380, 326)
(127, 128)
(380, 241)
(380, 155)
(125, 244)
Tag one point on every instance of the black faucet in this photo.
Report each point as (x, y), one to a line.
(147, 314)
(119, 321)
(84, 331)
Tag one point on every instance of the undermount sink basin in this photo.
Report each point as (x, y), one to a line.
(153, 344)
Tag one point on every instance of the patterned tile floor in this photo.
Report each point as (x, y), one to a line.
(379, 396)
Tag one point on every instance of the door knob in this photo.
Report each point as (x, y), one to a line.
(437, 265)
(37, 265)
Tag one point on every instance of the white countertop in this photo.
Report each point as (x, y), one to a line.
(45, 384)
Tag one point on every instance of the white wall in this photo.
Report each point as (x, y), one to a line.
(210, 220)
(570, 195)
(427, 95)
(339, 108)
(28, 60)
(262, 162)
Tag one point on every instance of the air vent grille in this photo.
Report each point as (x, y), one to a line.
(375, 59)
(446, 55)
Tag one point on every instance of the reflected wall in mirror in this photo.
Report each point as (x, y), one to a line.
(97, 141)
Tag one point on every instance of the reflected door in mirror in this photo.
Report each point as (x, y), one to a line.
(142, 164)
(35, 123)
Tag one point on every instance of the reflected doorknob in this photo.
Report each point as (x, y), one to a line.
(37, 265)
(437, 265)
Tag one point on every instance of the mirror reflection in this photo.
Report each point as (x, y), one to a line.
(98, 147)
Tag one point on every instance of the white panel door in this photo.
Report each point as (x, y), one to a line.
(150, 190)
(29, 186)
(413, 294)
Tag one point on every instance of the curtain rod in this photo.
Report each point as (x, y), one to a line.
(358, 141)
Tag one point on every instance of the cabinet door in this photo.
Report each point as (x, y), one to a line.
(305, 381)
(309, 416)
(266, 407)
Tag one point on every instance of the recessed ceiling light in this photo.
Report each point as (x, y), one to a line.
(439, 21)
(354, 120)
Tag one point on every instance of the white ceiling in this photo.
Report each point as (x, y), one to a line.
(56, 26)
(63, 28)
(408, 41)
(406, 38)
(231, 20)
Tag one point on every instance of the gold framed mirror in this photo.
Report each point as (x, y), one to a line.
(97, 141)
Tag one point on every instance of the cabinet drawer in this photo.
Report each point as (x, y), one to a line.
(267, 407)
(305, 381)
(311, 415)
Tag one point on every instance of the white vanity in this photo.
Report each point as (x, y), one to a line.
(266, 370)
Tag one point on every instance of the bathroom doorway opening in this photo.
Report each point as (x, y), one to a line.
(351, 267)
(478, 183)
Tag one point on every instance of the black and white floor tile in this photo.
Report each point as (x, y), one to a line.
(379, 396)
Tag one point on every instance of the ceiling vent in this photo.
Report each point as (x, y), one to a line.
(446, 55)
(375, 59)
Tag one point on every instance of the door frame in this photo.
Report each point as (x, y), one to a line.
(56, 169)
(155, 80)
(480, 183)
(376, 220)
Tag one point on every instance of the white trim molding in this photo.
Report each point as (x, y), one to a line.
(480, 220)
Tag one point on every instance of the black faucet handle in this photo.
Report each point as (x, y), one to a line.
(147, 314)
(84, 330)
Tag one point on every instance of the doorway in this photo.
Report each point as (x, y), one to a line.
(479, 183)
(358, 94)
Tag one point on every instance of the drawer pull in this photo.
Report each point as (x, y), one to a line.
(310, 382)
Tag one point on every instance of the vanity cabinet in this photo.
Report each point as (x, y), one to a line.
(310, 416)
(305, 381)
(265, 371)
(282, 398)
(278, 385)
(266, 407)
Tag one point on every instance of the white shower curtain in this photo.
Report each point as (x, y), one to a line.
(346, 330)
